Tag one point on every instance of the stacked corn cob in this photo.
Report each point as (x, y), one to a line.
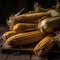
(25, 25)
(30, 28)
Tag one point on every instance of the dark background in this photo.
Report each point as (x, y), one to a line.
(8, 7)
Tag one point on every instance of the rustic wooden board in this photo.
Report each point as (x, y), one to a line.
(18, 57)
(22, 49)
(27, 50)
(35, 57)
(12, 57)
(24, 57)
(3, 56)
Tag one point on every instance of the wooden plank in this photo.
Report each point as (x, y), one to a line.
(3, 56)
(35, 57)
(24, 57)
(14, 50)
(12, 57)
(7, 49)
(18, 57)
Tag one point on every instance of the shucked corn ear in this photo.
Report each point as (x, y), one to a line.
(26, 18)
(8, 34)
(50, 24)
(19, 28)
(31, 18)
(25, 38)
(25, 27)
(44, 45)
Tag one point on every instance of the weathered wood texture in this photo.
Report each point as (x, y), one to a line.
(3, 56)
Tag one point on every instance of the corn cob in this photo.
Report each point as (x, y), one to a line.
(8, 34)
(25, 27)
(44, 45)
(26, 18)
(25, 38)
(30, 17)
(50, 24)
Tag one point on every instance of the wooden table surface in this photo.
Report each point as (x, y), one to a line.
(14, 56)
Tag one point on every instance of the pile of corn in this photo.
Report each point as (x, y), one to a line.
(30, 28)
